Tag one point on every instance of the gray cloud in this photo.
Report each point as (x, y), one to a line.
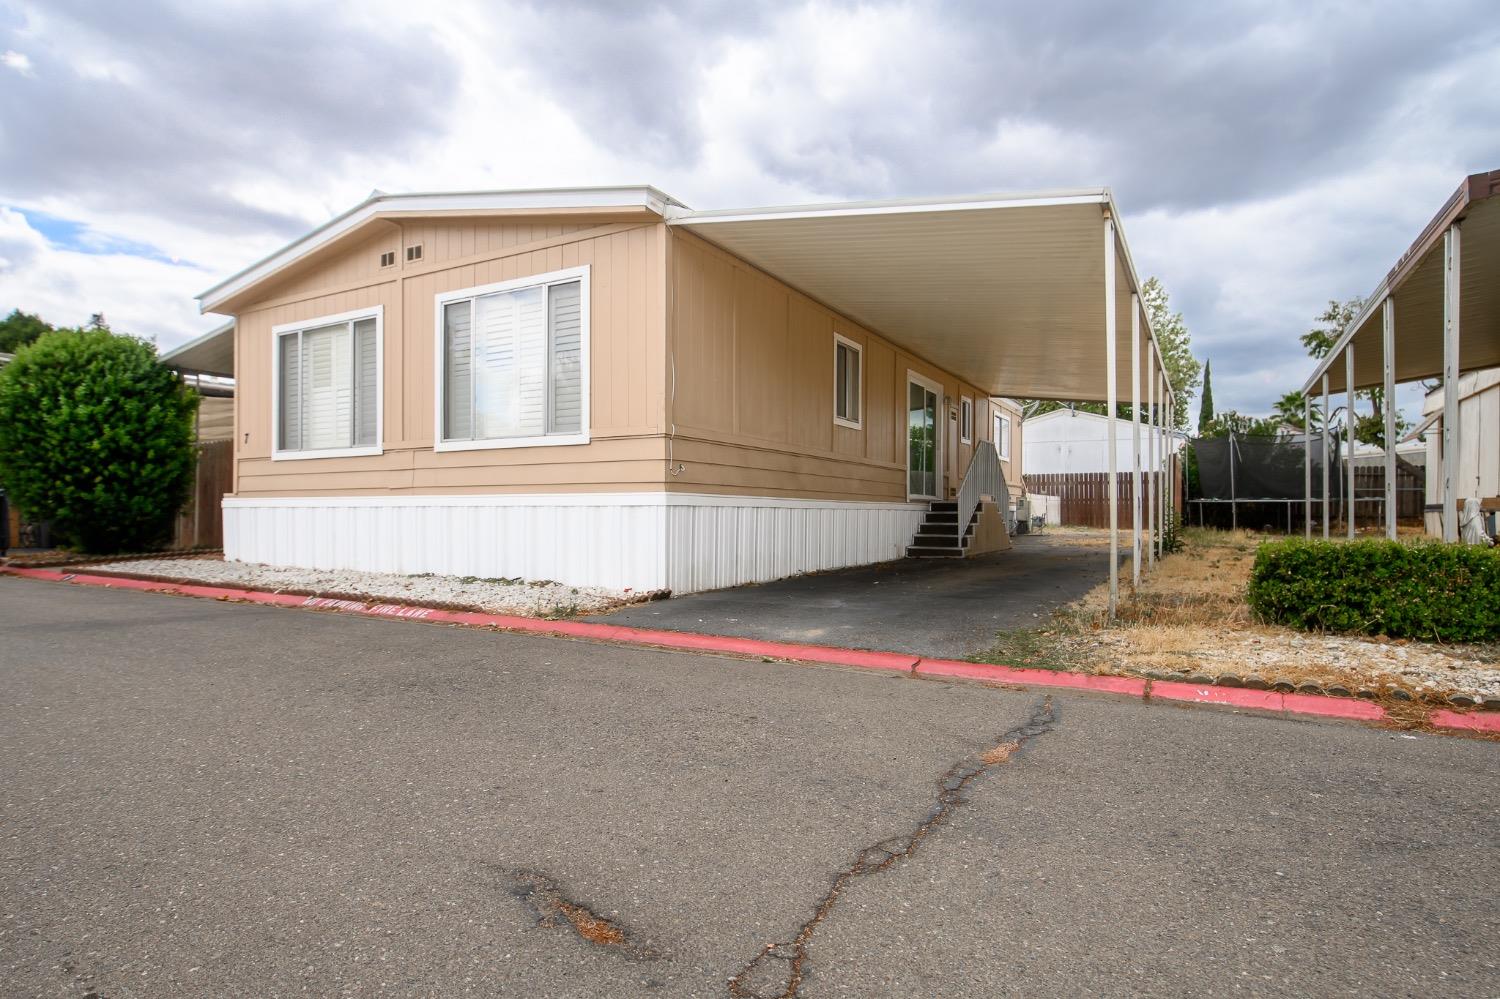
(165, 110)
(1179, 105)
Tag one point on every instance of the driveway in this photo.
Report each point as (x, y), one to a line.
(940, 608)
(201, 798)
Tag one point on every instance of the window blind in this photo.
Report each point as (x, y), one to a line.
(513, 363)
(329, 393)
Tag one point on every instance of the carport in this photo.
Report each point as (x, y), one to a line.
(935, 608)
(1436, 314)
(1030, 295)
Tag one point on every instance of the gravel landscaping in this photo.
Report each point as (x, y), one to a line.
(1191, 619)
(496, 596)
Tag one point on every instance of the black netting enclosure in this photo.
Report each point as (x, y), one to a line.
(1240, 467)
(1258, 482)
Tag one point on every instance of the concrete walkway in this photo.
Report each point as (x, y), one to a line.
(928, 607)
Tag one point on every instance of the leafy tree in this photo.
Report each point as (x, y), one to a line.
(97, 436)
(1230, 422)
(1288, 410)
(1183, 369)
(1206, 407)
(1369, 428)
(1331, 325)
(20, 328)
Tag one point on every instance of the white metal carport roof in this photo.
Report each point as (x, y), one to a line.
(209, 354)
(1006, 290)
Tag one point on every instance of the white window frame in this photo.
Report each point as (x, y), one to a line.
(585, 381)
(377, 313)
(859, 352)
(1002, 435)
(965, 420)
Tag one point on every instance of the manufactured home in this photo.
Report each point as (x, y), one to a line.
(603, 387)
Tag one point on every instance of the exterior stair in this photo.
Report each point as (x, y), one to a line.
(939, 537)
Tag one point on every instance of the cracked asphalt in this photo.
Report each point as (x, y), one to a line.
(199, 798)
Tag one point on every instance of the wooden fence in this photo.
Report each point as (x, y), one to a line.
(1084, 496)
(201, 522)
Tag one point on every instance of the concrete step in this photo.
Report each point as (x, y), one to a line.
(934, 551)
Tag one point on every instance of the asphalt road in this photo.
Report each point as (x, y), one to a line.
(942, 608)
(207, 799)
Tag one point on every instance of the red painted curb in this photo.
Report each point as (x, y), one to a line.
(590, 630)
(1239, 697)
(1476, 722)
(1031, 677)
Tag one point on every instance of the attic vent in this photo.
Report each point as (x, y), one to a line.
(414, 252)
(388, 258)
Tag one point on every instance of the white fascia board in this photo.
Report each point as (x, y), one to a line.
(1135, 282)
(1325, 363)
(460, 201)
(906, 206)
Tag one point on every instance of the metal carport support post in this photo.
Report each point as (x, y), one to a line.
(1135, 442)
(1349, 436)
(1388, 364)
(1307, 467)
(1152, 535)
(1452, 271)
(1111, 408)
(1164, 450)
(1325, 456)
(1171, 469)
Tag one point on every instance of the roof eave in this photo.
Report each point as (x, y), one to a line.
(642, 196)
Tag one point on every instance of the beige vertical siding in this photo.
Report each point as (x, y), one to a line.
(626, 365)
(697, 360)
(753, 407)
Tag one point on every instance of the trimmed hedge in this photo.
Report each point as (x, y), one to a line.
(96, 435)
(1427, 590)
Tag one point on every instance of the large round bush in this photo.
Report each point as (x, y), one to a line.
(96, 435)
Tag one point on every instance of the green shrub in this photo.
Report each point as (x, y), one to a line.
(1426, 590)
(96, 435)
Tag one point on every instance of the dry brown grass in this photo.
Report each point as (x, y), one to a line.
(1191, 615)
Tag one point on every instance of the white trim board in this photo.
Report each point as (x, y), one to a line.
(643, 196)
(376, 312)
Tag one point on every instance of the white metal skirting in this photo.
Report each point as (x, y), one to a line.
(639, 541)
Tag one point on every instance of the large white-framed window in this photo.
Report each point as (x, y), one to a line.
(326, 386)
(966, 420)
(1002, 436)
(513, 363)
(848, 383)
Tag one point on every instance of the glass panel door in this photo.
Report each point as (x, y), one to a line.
(921, 449)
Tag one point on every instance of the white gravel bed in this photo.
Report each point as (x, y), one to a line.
(1418, 667)
(498, 596)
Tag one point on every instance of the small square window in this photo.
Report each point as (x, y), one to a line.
(388, 258)
(847, 386)
(414, 252)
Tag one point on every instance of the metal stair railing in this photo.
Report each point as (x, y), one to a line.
(983, 478)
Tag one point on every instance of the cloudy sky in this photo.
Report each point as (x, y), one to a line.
(1266, 156)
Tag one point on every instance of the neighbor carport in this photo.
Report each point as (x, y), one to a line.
(1435, 315)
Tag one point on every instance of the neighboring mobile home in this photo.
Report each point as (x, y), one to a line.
(603, 387)
(1071, 441)
(1478, 467)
